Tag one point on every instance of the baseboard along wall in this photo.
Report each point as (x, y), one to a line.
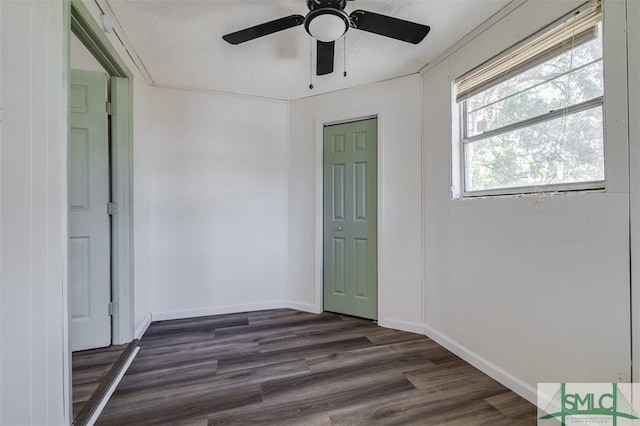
(520, 387)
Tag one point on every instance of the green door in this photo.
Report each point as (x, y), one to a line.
(350, 218)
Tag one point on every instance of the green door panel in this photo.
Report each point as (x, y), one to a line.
(350, 218)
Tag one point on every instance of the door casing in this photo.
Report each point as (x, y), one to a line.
(321, 122)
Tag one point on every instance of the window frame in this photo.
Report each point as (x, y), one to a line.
(547, 189)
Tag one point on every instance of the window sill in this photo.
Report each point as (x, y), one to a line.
(536, 191)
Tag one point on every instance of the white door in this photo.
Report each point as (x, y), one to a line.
(89, 222)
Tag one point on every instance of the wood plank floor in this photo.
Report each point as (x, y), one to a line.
(284, 367)
(87, 371)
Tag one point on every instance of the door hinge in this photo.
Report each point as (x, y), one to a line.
(112, 208)
(113, 308)
(110, 108)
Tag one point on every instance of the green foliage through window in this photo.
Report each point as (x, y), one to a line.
(542, 126)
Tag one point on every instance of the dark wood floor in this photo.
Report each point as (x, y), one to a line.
(283, 367)
(89, 368)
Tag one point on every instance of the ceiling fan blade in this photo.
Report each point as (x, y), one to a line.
(387, 26)
(264, 29)
(325, 55)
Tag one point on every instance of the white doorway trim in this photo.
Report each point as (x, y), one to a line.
(339, 118)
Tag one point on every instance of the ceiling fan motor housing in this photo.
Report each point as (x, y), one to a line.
(319, 4)
(327, 24)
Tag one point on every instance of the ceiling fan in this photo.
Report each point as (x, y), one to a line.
(327, 22)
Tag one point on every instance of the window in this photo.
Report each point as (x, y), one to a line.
(532, 120)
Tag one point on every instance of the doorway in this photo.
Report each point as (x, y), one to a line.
(85, 28)
(119, 209)
(350, 225)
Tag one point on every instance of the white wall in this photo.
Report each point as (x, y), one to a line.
(398, 106)
(218, 176)
(142, 147)
(80, 58)
(530, 289)
(33, 240)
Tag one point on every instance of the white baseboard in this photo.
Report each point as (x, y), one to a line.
(304, 307)
(411, 327)
(523, 389)
(218, 310)
(112, 388)
(142, 328)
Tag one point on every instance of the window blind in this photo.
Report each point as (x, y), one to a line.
(578, 29)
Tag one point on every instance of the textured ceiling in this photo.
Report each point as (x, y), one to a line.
(180, 43)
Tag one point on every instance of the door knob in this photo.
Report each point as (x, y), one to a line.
(339, 228)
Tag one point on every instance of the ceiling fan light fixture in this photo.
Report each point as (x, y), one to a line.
(327, 24)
